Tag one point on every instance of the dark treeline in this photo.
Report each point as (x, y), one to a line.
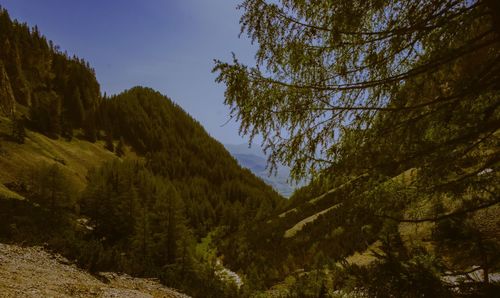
(59, 93)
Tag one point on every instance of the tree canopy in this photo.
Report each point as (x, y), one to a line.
(403, 94)
(55, 92)
(326, 68)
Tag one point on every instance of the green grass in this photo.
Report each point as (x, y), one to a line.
(366, 257)
(300, 225)
(75, 157)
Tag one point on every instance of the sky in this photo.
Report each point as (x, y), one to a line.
(168, 45)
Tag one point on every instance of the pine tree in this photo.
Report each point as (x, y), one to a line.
(109, 142)
(79, 111)
(142, 239)
(89, 127)
(66, 127)
(325, 68)
(169, 220)
(18, 131)
(120, 148)
(7, 99)
(55, 116)
(49, 186)
(20, 86)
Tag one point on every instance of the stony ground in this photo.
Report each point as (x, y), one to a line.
(33, 272)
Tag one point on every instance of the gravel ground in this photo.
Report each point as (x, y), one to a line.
(33, 272)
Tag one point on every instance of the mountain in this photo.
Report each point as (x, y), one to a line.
(129, 183)
(179, 149)
(255, 160)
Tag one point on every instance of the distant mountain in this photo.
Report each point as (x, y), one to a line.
(255, 160)
(256, 164)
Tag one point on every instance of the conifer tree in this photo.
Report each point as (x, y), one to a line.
(20, 86)
(79, 112)
(89, 127)
(55, 116)
(377, 89)
(49, 186)
(168, 213)
(7, 99)
(18, 131)
(109, 142)
(323, 69)
(120, 148)
(66, 127)
(142, 239)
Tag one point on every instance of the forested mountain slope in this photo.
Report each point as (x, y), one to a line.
(57, 93)
(127, 183)
(392, 106)
(216, 190)
(338, 230)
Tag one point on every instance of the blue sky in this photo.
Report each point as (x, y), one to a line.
(168, 45)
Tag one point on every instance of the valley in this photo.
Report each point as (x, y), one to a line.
(255, 160)
(387, 113)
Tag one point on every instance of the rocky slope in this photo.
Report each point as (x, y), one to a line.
(33, 272)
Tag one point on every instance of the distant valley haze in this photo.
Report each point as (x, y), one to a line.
(254, 159)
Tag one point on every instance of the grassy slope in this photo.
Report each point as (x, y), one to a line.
(298, 226)
(311, 218)
(75, 157)
(411, 233)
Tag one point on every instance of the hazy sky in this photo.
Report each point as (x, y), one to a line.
(168, 45)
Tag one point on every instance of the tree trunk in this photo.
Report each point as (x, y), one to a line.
(494, 7)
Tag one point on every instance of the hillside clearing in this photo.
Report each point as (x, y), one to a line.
(75, 157)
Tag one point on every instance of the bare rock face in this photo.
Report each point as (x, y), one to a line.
(7, 99)
(33, 272)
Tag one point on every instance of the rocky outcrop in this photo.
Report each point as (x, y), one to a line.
(33, 272)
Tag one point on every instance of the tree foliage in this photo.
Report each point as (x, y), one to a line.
(50, 187)
(402, 93)
(59, 91)
(215, 190)
(326, 68)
